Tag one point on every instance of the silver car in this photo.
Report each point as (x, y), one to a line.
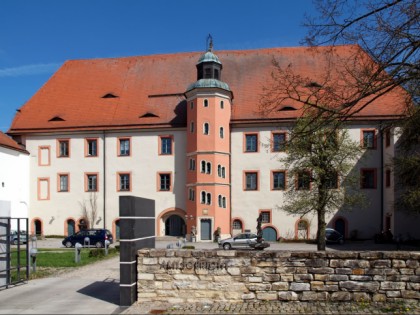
(242, 240)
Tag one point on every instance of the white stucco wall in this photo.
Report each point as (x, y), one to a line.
(14, 184)
(144, 164)
(246, 204)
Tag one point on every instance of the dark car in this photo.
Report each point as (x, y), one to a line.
(333, 236)
(243, 240)
(16, 238)
(97, 238)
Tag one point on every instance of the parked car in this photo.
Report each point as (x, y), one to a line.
(16, 237)
(97, 238)
(243, 240)
(333, 236)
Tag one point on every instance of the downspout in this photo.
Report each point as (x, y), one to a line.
(104, 179)
(382, 174)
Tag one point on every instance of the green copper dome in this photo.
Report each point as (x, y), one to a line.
(209, 83)
(209, 57)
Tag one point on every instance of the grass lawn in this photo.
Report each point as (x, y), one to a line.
(52, 261)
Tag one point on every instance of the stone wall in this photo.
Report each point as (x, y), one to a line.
(214, 275)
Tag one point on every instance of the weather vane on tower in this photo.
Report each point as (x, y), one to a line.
(210, 43)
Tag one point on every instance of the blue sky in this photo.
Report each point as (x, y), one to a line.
(37, 36)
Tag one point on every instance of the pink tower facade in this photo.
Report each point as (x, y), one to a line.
(208, 205)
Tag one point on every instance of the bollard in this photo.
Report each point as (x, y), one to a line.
(106, 247)
(34, 252)
(77, 252)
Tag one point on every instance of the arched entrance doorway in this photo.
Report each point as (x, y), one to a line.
(269, 234)
(340, 226)
(71, 227)
(174, 226)
(38, 227)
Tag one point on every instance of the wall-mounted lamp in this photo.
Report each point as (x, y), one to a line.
(99, 220)
(52, 219)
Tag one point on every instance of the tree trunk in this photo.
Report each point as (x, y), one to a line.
(321, 230)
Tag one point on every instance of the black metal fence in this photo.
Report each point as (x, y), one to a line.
(14, 251)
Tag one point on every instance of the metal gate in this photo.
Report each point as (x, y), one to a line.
(14, 251)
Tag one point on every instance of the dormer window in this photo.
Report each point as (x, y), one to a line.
(109, 95)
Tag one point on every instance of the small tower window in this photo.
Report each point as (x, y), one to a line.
(207, 73)
(203, 197)
(222, 105)
(216, 74)
(192, 127)
(192, 105)
(208, 169)
(221, 133)
(203, 166)
(206, 129)
(206, 103)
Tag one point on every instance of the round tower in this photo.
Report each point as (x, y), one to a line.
(208, 151)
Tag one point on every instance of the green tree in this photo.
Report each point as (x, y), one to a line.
(407, 165)
(320, 159)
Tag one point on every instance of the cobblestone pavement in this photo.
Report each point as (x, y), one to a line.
(275, 307)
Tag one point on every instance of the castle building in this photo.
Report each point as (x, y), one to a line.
(185, 130)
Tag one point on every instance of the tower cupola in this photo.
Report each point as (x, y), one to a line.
(209, 70)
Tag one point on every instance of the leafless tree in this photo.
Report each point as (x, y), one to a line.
(90, 209)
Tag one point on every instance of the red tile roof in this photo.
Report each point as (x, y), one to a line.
(9, 143)
(72, 99)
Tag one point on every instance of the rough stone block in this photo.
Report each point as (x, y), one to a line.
(321, 286)
(248, 269)
(323, 277)
(316, 262)
(321, 270)
(300, 286)
(397, 263)
(359, 286)
(361, 297)
(145, 276)
(258, 286)
(380, 263)
(361, 278)
(393, 294)
(254, 279)
(406, 271)
(288, 278)
(158, 253)
(267, 296)
(396, 255)
(314, 296)
(234, 271)
(413, 286)
(286, 270)
(185, 277)
(342, 255)
(409, 294)
(343, 271)
(248, 296)
(271, 277)
(226, 253)
(287, 296)
(336, 263)
(379, 297)
(337, 278)
(303, 278)
(280, 286)
(412, 263)
(358, 271)
(340, 296)
(415, 278)
(354, 263)
(371, 255)
(388, 285)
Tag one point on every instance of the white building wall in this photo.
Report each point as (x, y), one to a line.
(14, 184)
(144, 164)
(246, 204)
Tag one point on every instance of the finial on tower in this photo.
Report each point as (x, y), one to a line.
(210, 43)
